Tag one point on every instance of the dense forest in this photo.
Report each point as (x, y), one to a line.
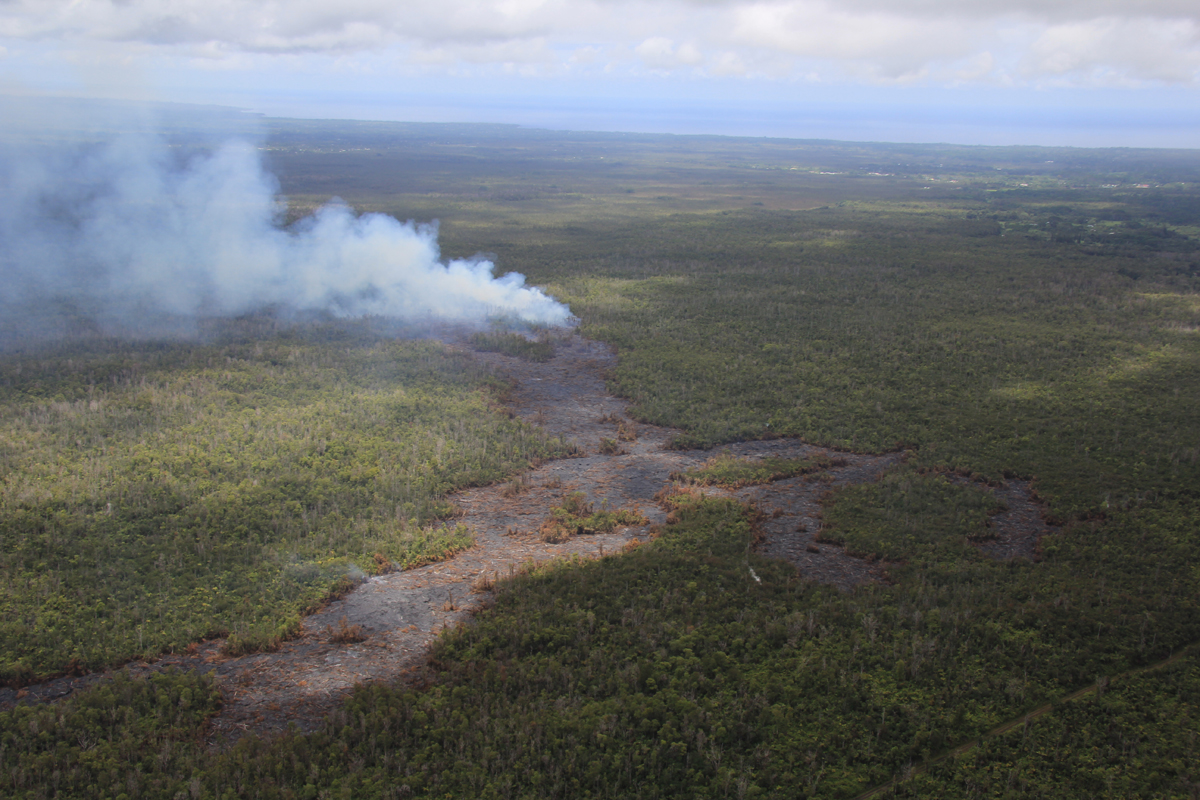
(997, 312)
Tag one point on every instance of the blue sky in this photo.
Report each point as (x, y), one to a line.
(1074, 72)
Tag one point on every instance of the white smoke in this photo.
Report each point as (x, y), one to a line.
(118, 225)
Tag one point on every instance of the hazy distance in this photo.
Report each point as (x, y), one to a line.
(1112, 73)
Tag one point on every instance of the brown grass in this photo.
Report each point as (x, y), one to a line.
(515, 486)
(484, 583)
(346, 633)
(610, 447)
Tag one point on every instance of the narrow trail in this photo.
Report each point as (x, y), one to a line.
(401, 613)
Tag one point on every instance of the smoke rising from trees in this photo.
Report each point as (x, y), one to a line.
(120, 228)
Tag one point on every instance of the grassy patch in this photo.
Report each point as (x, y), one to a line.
(907, 514)
(513, 344)
(576, 517)
(152, 495)
(726, 469)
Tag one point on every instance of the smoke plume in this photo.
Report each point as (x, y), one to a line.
(112, 224)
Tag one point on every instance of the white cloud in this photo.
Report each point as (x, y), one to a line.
(1111, 49)
(950, 41)
(979, 67)
(586, 55)
(875, 43)
(660, 53)
(520, 51)
(729, 64)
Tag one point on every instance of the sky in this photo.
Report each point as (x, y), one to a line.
(1119, 73)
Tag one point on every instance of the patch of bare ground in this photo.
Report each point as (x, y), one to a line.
(381, 632)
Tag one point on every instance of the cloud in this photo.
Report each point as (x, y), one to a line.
(586, 55)
(1110, 48)
(977, 68)
(660, 53)
(1087, 41)
(524, 52)
(876, 43)
(729, 64)
(1049, 10)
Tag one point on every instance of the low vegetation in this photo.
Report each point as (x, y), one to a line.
(513, 344)
(126, 738)
(691, 667)
(154, 495)
(731, 472)
(999, 315)
(1135, 738)
(576, 517)
(1005, 356)
(907, 512)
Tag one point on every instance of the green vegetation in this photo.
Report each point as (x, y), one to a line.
(1007, 356)
(999, 314)
(1005, 312)
(153, 495)
(1134, 739)
(1028, 311)
(906, 513)
(726, 469)
(672, 671)
(513, 344)
(576, 516)
(610, 447)
(125, 738)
